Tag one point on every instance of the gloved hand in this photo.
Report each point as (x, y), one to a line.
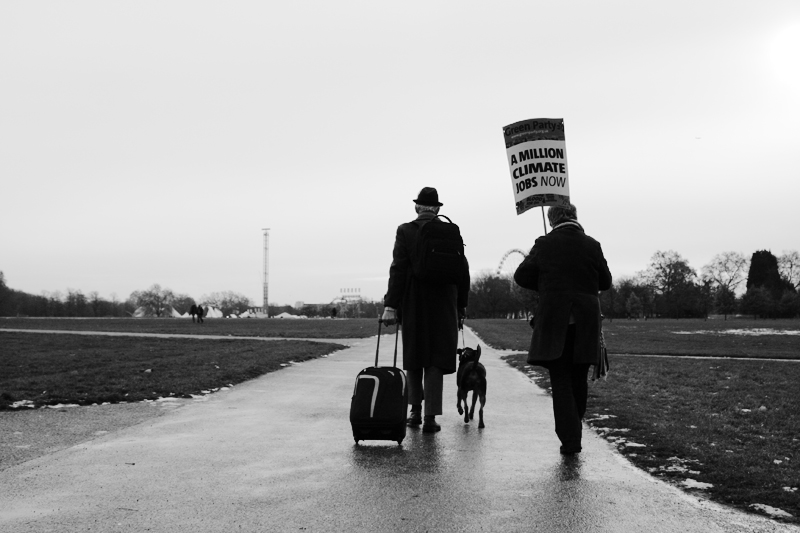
(462, 315)
(389, 316)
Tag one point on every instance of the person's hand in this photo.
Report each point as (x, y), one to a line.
(389, 316)
(462, 315)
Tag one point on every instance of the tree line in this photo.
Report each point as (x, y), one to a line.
(764, 286)
(155, 301)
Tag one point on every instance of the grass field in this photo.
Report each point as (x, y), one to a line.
(660, 337)
(731, 424)
(48, 369)
(245, 327)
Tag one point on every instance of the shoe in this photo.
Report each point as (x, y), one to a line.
(430, 425)
(415, 419)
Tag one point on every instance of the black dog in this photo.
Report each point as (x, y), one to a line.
(471, 376)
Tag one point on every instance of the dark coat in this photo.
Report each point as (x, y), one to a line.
(568, 269)
(428, 313)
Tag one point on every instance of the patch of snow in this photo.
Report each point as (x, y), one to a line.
(600, 417)
(635, 445)
(772, 511)
(690, 483)
(674, 468)
(23, 403)
(610, 430)
(679, 460)
(62, 405)
(742, 331)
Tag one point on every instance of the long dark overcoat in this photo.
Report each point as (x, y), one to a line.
(428, 313)
(568, 269)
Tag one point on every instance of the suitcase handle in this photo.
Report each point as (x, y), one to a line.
(396, 336)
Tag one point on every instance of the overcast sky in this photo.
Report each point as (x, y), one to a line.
(150, 142)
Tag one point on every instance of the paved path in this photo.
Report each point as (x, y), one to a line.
(277, 454)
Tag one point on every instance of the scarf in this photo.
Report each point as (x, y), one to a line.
(569, 223)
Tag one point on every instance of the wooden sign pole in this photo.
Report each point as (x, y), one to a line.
(544, 223)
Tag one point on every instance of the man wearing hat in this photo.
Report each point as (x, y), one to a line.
(430, 314)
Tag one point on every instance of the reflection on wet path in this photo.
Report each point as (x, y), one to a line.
(461, 478)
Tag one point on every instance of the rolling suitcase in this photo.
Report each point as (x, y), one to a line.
(379, 405)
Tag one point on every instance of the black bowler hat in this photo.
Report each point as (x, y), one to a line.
(428, 196)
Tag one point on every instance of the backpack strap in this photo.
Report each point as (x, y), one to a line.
(420, 224)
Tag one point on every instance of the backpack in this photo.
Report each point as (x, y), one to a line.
(439, 257)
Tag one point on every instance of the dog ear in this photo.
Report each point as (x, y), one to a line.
(479, 350)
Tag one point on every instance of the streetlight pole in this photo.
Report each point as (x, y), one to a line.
(266, 271)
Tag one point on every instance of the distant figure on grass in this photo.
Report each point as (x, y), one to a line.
(430, 312)
(193, 311)
(200, 313)
(568, 269)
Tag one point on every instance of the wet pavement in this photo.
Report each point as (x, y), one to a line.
(277, 454)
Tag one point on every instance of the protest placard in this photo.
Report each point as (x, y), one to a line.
(537, 159)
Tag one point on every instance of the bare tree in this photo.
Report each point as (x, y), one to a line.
(95, 301)
(227, 301)
(155, 300)
(727, 270)
(182, 303)
(789, 267)
(667, 271)
(5, 294)
(673, 280)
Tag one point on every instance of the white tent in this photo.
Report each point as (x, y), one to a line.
(287, 315)
(212, 312)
